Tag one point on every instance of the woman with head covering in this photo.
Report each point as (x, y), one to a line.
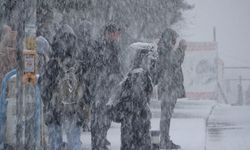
(168, 75)
(130, 105)
(61, 93)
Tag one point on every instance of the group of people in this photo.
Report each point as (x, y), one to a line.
(81, 77)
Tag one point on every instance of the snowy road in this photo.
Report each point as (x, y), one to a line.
(198, 125)
(229, 128)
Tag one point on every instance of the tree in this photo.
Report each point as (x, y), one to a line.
(142, 18)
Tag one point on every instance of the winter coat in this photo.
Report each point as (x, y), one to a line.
(168, 73)
(107, 69)
(61, 92)
(130, 106)
(178, 58)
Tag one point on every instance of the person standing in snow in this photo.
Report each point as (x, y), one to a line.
(85, 57)
(62, 93)
(169, 77)
(130, 105)
(43, 52)
(7, 51)
(108, 74)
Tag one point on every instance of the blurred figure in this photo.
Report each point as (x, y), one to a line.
(85, 43)
(85, 58)
(7, 51)
(43, 52)
(108, 74)
(169, 77)
(130, 105)
(62, 93)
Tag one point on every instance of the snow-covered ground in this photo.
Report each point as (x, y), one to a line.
(198, 125)
(188, 128)
(229, 128)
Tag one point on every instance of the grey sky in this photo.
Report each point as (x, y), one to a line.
(232, 20)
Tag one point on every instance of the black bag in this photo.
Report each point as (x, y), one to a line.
(115, 113)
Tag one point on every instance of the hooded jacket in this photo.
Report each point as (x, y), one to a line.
(59, 83)
(168, 73)
(130, 106)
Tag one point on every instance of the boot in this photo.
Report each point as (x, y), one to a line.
(171, 145)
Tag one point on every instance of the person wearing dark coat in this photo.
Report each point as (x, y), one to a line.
(169, 77)
(130, 105)
(107, 74)
(85, 57)
(61, 92)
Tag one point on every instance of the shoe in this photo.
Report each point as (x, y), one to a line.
(172, 145)
(108, 145)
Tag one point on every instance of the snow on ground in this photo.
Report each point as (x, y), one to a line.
(198, 125)
(187, 108)
(229, 128)
(188, 133)
(188, 128)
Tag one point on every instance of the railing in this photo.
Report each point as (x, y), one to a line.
(3, 106)
(3, 110)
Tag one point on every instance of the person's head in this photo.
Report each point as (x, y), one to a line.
(85, 30)
(168, 38)
(43, 47)
(6, 29)
(111, 33)
(141, 59)
(64, 43)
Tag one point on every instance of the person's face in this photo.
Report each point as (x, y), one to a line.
(173, 41)
(68, 40)
(64, 44)
(112, 36)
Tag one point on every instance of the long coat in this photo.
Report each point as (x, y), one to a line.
(130, 106)
(59, 82)
(167, 72)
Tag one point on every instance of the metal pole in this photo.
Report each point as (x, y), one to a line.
(20, 134)
(214, 34)
(240, 94)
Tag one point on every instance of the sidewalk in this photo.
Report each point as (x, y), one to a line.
(188, 127)
(229, 128)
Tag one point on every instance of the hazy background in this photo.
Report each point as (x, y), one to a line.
(232, 21)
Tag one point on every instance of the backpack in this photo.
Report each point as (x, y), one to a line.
(67, 84)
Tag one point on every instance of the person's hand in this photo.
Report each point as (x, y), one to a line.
(183, 45)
